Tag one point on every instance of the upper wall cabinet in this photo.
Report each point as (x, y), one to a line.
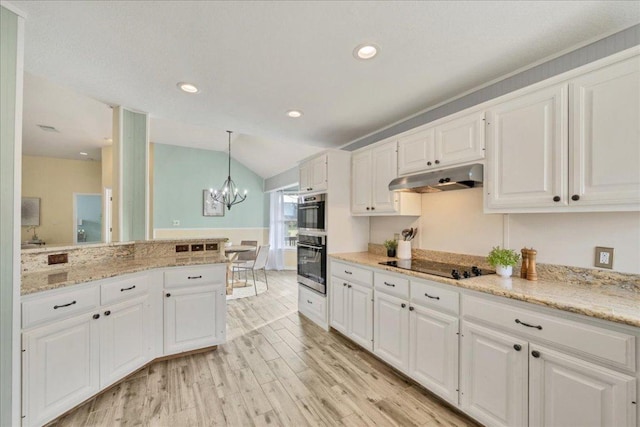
(452, 142)
(313, 175)
(572, 147)
(371, 172)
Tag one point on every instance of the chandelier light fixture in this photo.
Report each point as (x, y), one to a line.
(228, 194)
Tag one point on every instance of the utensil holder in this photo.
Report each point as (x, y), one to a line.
(404, 249)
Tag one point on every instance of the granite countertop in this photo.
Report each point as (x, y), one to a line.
(52, 279)
(619, 304)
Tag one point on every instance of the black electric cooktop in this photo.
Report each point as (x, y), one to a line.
(452, 271)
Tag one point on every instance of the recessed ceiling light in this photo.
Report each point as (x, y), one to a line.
(82, 153)
(188, 87)
(294, 113)
(365, 51)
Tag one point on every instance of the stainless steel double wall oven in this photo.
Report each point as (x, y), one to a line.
(312, 243)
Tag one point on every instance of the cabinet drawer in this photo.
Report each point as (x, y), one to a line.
(194, 276)
(123, 288)
(603, 344)
(430, 294)
(394, 285)
(43, 308)
(312, 305)
(352, 273)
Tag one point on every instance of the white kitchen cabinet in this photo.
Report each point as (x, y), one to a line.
(125, 339)
(566, 391)
(493, 382)
(360, 314)
(460, 140)
(339, 304)
(194, 317)
(391, 330)
(371, 172)
(452, 141)
(433, 351)
(60, 366)
(605, 136)
(313, 305)
(527, 151)
(313, 175)
(572, 147)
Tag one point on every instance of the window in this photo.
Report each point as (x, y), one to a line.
(290, 214)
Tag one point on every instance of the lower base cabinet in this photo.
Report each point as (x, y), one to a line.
(60, 367)
(493, 386)
(352, 311)
(313, 305)
(565, 391)
(433, 351)
(194, 317)
(391, 330)
(125, 334)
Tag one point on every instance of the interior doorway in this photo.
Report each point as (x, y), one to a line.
(87, 218)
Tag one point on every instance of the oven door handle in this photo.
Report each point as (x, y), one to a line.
(302, 245)
(308, 207)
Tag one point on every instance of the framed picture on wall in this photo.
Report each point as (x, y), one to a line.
(30, 211)
(209, 206)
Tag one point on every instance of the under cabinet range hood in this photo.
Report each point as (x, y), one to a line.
(445, 180)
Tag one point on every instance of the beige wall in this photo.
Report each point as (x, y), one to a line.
(54, 181)
(454, 222)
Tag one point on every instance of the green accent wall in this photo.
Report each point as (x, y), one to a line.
(134, 161)
(179, 176)
(8, 74)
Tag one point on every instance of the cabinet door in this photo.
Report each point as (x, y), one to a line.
(416, 152)
(391, 330)
(338, 294)
(60, 367)
(318, 176)
(460, 140)
(305, 179)
(361, 182)
(493, 376)
(565, 391)
(605, 148)
(384, 161)
(433, 351)
(194, 318)
(527, 151)
(360, 313)
(125, 333)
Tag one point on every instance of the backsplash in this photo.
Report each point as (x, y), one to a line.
(551, 272)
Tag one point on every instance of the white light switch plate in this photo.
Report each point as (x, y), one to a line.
(604, 257)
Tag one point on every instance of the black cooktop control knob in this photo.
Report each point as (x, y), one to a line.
(455, 274)
(466, 274)
(476, 271)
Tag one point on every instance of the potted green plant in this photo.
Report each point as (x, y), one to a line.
(503, 260)
(391, 246)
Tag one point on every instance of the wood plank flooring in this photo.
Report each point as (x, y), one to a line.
(276, 369)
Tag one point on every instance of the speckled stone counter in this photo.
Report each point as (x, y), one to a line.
(616, 299)
(45, 280)
(94, 262)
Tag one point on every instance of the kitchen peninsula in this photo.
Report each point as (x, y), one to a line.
(108, 310)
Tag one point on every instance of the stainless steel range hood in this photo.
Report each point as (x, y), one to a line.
(445, 180)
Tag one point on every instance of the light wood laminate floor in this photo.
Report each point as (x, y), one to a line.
(277, 369)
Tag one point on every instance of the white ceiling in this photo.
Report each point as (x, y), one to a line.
(253, 61)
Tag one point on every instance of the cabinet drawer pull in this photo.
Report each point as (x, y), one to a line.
(517, 347)
(55, 307)
(194, 277)
(107, 313)
(430, 296)
(403, 305)
(309, 302)
(411, 308)
(96, 316)
(348, 286)
(344, 284)
(528, 325)
(575, 197)
(390, 284)
(556, 198)
(127, 289)
(348, 272)
(168, 295)
(535, 354)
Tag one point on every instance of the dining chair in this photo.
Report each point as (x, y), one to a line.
(243, 257)
(260, 263)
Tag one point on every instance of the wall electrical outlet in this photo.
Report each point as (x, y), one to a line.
(176, 222)
(604, 257)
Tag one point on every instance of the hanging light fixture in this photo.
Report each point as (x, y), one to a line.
(228, 194)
